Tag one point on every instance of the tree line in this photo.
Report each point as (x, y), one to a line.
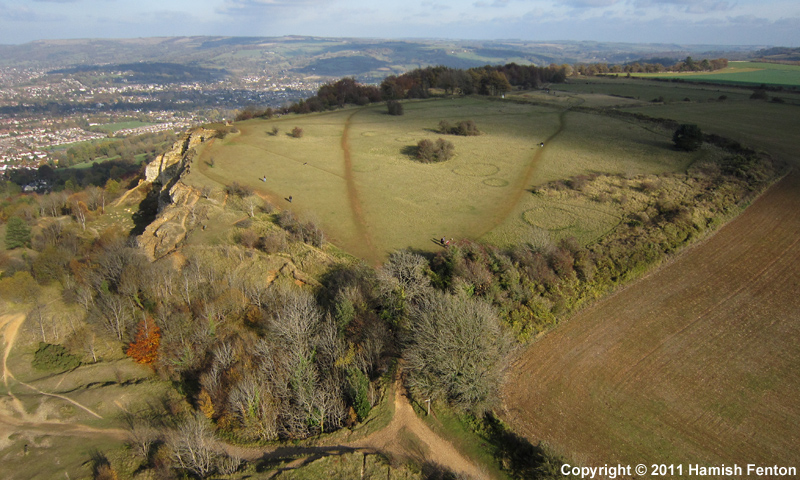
(487, 80)
(686, 65)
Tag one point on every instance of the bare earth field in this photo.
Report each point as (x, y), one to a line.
(699, 362)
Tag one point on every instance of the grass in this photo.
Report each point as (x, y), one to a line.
(621, 90)
(765, 125)
(743, 73)
(382, 199)
(456, 429)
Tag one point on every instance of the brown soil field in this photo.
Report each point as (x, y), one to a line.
(699, 362)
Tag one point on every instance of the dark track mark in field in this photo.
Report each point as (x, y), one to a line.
(497, 216)
(368, 248)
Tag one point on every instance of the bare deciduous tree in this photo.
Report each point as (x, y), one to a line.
(191, 446)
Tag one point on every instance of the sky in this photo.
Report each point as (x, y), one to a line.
(709, 22)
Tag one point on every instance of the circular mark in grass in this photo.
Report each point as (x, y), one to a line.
(495, 182)
(550, 218)
(404, 139)
(476, 170)
(368, 134)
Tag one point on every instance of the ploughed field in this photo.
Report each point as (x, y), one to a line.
(354, 171)
(698, 362)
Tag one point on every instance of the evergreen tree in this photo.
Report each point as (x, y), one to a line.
(688, 137)
(18, 234)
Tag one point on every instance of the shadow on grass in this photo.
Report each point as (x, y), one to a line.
(518, 457)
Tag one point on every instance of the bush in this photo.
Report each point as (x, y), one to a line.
(465, 128)
(431, 152)
(54, 357)
(297, 132)
(759, 94)
(238, 190)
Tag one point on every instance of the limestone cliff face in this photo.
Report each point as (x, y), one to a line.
(176, 215)
(168, 165)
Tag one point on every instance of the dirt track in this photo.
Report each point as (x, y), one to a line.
(698, 362)
(426, 446)
(14, 418)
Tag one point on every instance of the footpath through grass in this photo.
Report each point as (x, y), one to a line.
(399, 202)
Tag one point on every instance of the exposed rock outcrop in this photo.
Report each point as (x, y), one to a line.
(168, 165)
(176, 213)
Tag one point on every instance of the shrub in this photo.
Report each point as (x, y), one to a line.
(297, 132)
(465, 128)
(759, 94)
(54, 357)
(238, 190)
(438, 151)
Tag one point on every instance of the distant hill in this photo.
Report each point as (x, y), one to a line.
(781, 54)
(331, 57)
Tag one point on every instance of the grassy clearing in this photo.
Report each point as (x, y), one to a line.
(401, 203)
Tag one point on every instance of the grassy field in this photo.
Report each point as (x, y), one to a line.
(615, 90)
(742, 73)
(353, 170)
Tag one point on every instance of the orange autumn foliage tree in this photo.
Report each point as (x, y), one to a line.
(144, 348)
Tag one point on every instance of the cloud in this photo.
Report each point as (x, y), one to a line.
(247, 7)
(435, 6)
(588, 3)
(494, 4)
(22, 14)
(689, 6)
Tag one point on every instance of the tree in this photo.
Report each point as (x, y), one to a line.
(688, 137)
(18, 234)
(394, 107)
(192, 446)
(454, 350)
(144, 349)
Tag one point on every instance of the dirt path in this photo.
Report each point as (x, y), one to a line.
(16, 417)
(505, 208)
(369, 251)
(406, 437)
(436, 449)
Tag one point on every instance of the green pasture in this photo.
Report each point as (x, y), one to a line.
(618, 89)
(764, 125)
(383, 199)
(746, 73)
